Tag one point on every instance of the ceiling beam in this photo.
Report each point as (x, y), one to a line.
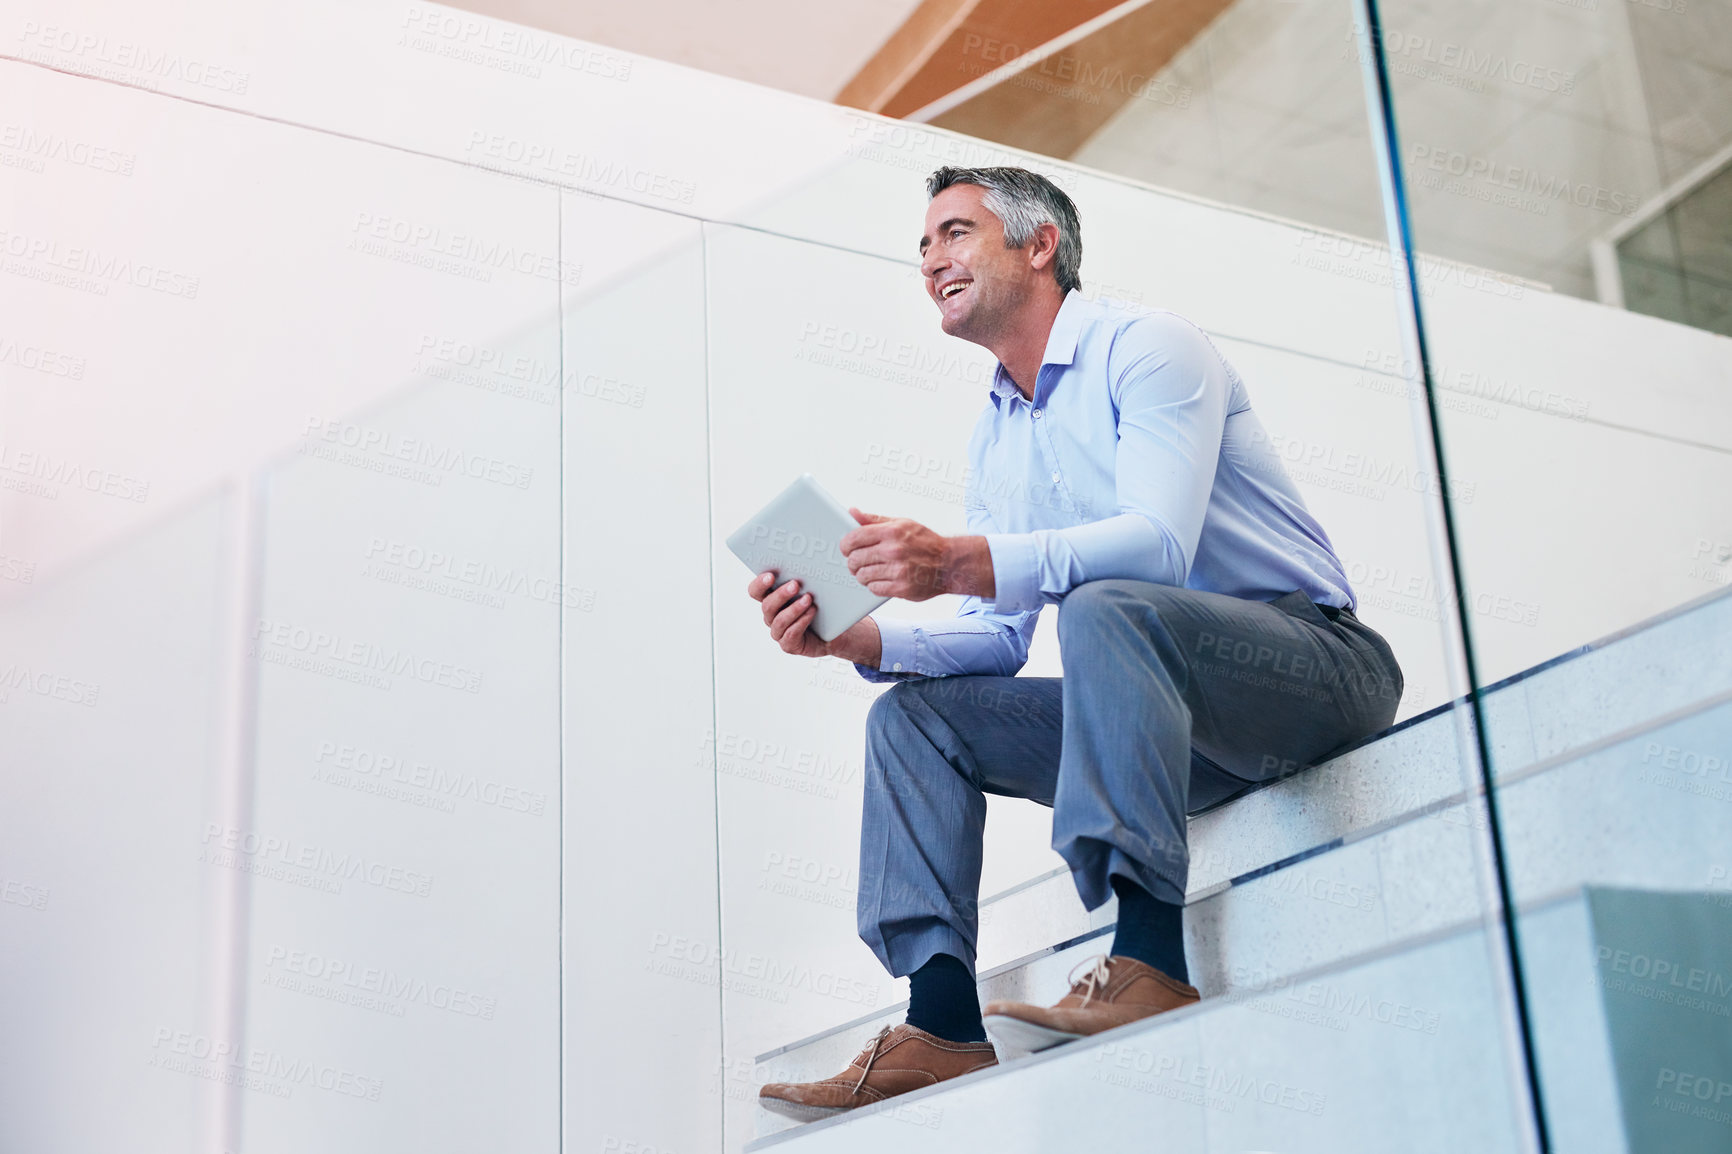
(945, 44)
(1055, 105)
(1028, 73)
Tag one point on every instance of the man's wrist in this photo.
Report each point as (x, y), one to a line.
(969, 569)
(862, 644)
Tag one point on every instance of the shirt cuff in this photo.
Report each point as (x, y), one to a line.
(896, 661)
(1015, 572)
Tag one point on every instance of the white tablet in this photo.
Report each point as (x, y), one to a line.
(798, 535)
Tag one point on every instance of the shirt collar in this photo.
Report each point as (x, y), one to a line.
(1061, 343)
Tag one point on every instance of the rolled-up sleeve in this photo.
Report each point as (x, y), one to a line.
(1171, 391)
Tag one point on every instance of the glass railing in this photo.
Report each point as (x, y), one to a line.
(1583, 147)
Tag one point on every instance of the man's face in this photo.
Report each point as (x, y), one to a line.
(976, 282)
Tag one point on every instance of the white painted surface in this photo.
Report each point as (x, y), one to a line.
(435, 552)
(458, 895)
(639, 881)
(108, 912)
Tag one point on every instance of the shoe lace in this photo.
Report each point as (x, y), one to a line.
(871, 1053)
(1093, 982)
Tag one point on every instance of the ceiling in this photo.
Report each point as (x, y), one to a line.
(812, 47)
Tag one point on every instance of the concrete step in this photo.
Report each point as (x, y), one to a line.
(1399, 1049)
(1377, 848)
(1252, 936)
(1316, 1065)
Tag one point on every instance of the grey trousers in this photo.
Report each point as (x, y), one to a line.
(1171, 700)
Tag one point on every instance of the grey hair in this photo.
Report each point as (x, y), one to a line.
(1024, 201)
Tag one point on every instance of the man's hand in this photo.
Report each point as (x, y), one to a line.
(897, 557)
(789, 612)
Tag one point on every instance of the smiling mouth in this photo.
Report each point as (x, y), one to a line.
(953, 288)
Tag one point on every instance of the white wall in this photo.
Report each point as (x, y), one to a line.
(642, 1016)
(398, 852)
(694, 290)
(109, 916)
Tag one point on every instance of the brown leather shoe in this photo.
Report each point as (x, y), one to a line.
(1116, 990)
(897, 1060)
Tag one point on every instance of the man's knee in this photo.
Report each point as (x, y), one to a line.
(1108, 604)
(889, 715)
(1090, 601)
(893, 730)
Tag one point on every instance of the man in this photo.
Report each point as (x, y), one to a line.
(1205, 624)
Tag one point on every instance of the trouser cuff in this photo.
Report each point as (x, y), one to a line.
(903, 953)
(1100, 863)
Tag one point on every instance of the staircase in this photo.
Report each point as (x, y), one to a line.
(1336, 927)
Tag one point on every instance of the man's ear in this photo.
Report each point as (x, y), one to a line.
(1044, 246)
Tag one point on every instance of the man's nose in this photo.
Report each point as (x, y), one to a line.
(931, 265)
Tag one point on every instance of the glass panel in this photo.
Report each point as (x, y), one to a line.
(1575, 154)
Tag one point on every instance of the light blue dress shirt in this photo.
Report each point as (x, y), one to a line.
(1139, 457)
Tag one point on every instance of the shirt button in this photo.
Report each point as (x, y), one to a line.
(897, 667)
(1055, 478)
(1037, 414)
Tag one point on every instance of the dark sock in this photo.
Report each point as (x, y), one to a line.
(942, 1000)
(1150, 930)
